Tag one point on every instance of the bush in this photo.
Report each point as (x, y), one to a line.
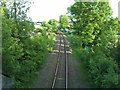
(51, 40)
(103, 70)
(23, 54)
(24, 50)
(75, 41)
(11, 50)
(102, 67)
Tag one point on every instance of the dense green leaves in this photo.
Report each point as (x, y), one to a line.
(24, 50)
(53, 24)
(87, 19)
(63, 21)
(95, 41)
(50, 26)
(103, 70)
(12, 49)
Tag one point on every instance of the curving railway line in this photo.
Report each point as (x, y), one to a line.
(60, 79)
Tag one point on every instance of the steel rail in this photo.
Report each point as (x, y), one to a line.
(58, 64)
(66, 65)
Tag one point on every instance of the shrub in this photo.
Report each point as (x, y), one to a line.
(103, 70)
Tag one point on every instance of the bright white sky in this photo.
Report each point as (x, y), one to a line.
(52, 9)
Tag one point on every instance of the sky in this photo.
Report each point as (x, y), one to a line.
(51, 9)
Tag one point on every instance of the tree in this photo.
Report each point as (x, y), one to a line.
(63, 20)
(96, 40)
(11, 46)
(87, 19)
(54, 25)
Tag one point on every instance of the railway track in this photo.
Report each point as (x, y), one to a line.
(60, 79)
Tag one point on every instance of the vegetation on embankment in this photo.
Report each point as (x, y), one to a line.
(24, 48)
(101, 69)
(92, 34)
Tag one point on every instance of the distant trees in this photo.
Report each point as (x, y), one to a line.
(54, 25)
(50, 26)
(63, 21)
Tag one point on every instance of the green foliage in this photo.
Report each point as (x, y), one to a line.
(95, 40)
(53, 25)
(50, 26)
(103, 70)
(12, 49)
(87, 19)
(23, 52)
(63, 20)
(51, 39)
(75, 41)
